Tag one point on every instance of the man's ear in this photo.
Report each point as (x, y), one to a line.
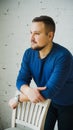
(51, 35)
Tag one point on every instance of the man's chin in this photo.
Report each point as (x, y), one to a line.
(34, 47)
(37, 48)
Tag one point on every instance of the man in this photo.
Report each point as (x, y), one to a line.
(51, 67)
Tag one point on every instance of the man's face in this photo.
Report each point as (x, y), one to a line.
(38, 35)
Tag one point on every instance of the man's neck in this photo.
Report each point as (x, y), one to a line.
(45, 51)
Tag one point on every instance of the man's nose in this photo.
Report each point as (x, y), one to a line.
(32, 37)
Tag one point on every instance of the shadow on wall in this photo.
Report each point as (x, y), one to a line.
(1, 126)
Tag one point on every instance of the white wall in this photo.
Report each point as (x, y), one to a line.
(15, 21)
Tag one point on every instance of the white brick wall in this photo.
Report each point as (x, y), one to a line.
(15, 21)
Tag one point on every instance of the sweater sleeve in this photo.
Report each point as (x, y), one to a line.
(24, 75)
(59, 76)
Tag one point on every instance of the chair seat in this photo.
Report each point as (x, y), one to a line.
(25, 128)
(18, 129)
(14, 129)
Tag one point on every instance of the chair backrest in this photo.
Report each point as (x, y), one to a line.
(30, 114)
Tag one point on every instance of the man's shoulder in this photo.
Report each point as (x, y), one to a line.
(61, 49)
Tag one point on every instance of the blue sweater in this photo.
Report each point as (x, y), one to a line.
(55, 71)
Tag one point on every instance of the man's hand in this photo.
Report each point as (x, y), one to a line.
(13, 103)
(33, 94)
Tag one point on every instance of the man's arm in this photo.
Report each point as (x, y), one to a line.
(24, 79)
(27, 94)
(62, 70)
(33, 94)
(13, 102)
(24, 75)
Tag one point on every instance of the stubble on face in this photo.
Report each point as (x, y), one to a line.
(38, 48)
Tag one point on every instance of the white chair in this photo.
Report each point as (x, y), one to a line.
(29, 116)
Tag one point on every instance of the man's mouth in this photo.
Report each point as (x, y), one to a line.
(33, 42)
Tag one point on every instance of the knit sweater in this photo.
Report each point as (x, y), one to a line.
(55, 71)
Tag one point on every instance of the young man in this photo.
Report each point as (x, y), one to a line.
(51, 67)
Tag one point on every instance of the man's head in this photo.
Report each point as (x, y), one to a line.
(42, 32)
(48, 22)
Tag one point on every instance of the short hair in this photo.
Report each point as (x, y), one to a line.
(48, 21)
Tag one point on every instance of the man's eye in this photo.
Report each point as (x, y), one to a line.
(37, 33)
